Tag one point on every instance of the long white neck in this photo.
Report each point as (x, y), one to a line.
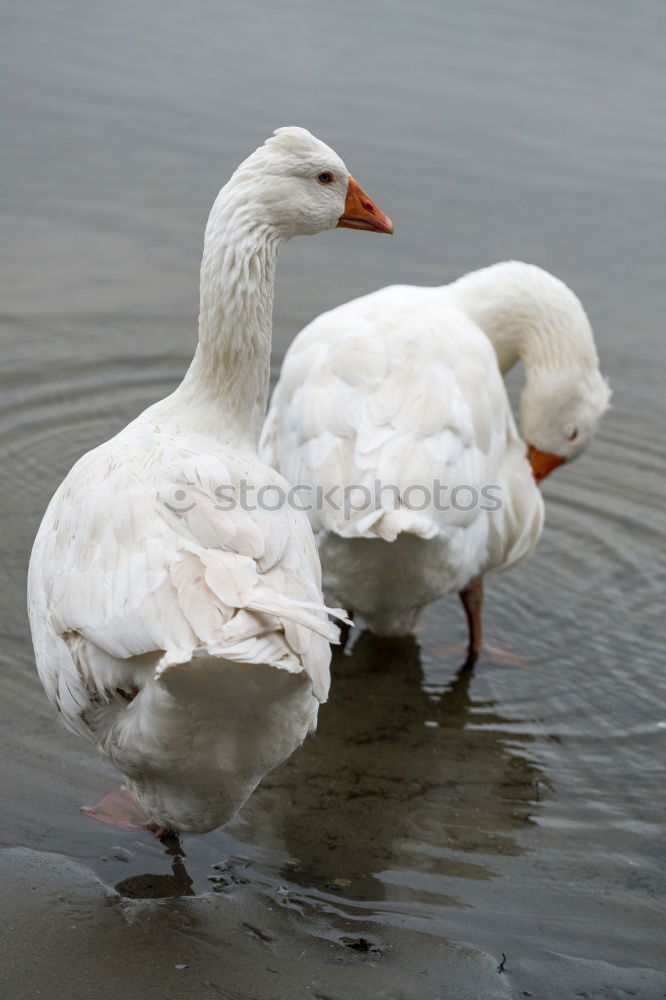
(225, 390)
(528, 314)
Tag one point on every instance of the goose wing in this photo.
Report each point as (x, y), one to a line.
(404, 401)
(143, 561)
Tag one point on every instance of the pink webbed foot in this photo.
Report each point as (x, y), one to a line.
(500, 657)
(484, 655)
(118, 808)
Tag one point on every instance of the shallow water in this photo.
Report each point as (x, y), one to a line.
(436, 822)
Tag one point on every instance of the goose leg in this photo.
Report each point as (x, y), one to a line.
(472, 601)
(118, 808)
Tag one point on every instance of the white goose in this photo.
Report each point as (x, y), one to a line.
(398, 396)
(182, 632)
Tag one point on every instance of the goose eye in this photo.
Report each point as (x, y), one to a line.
(325, 177)
(573, 435)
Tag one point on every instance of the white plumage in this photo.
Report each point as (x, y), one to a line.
(398, 397)
(138, 611)
(186, 637)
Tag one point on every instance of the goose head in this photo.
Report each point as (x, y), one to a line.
(296, 185)
(560, 413)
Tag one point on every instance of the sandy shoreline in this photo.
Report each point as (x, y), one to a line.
(67, 935)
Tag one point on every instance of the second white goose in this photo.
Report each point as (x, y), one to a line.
(391, 411)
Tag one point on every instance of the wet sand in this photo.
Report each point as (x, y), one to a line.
(436, 822)
(69, 935)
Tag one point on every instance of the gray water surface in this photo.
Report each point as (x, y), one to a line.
(436, 822)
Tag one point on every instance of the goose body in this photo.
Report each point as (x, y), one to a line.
(398, 398)
(178, 629)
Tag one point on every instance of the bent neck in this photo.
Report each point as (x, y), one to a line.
(528, 314)
(225, 390)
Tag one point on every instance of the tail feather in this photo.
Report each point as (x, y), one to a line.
(306, 613)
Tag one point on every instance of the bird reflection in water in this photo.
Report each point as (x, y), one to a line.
(150, 886)
(399, 777)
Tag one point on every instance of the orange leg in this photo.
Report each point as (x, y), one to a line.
(472, 601)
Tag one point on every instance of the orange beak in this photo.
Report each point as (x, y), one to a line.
(362, 213)
(542, 462)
